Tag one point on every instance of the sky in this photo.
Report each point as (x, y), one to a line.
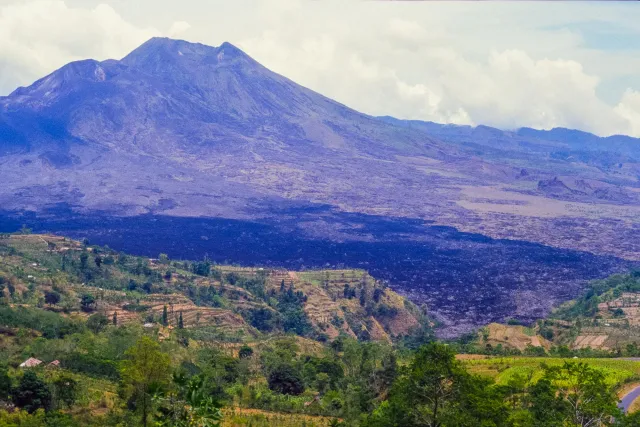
(501, 64)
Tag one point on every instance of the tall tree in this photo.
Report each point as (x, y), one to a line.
(574, 394)
(65, 391)
(5, 383)
(84, 258)
(146, 370)
(436, 391)
(32, 393)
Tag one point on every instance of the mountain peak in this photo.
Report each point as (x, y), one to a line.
(163, 49)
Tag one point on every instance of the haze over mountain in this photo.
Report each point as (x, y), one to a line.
(187, 130)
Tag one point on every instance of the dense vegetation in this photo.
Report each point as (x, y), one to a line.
(600, 291)
(345, 383)
(130, 349)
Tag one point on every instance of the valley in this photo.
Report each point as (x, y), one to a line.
(466, 280)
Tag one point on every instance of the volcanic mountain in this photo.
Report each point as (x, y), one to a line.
(184, 130)
(171, 113)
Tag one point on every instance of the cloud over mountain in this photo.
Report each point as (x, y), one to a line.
(504, 65)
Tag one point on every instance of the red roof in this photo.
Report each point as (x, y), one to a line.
(30, 363)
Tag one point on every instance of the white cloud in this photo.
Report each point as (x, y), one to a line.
(629, 108)
(37, 37)
(178, 28)
(415, 70)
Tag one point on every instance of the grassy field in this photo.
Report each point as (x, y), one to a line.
(237, 417)
(502, 369)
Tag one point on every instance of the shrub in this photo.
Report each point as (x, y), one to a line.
(245, 352)
(286, 379)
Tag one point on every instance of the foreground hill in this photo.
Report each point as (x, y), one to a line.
(216, 302)
(94, 337)
(204, 136)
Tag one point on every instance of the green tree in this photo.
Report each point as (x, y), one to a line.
(180, 322)
(32, 393)
(574, 394)
(189, 406)
(547, 408)
(51, 297)
(143, 372)
(286, 379)
(65, 390)
(322, 382)
(436, 391)
(165, 316)
(87, 303)
(631, 420)
(97, 322)
(5, 383)
(84, 261)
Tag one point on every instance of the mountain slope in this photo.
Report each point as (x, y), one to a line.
(185, 116)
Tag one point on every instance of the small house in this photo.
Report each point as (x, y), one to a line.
(30, 363)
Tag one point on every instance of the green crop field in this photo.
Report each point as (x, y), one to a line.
(502, 369)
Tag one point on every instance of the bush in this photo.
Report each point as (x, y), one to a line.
(91, 365)
(285, 379)
(245, 352)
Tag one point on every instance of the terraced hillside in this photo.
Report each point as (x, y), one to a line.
(511, 336)
(214, 301)
(606, 317)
